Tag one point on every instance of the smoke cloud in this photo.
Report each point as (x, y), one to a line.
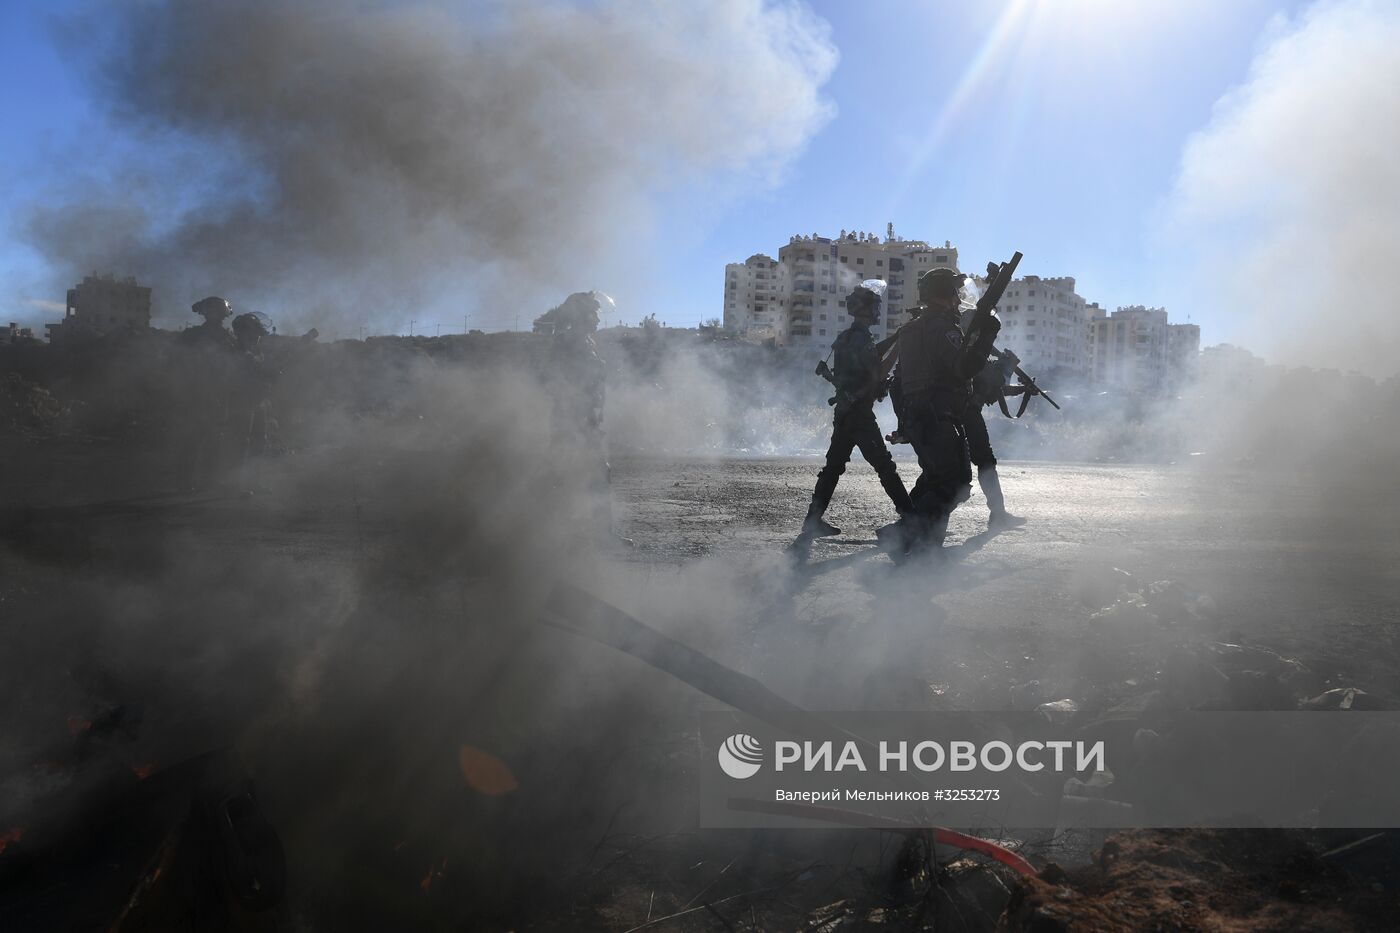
(1290, 197)
(369, 159)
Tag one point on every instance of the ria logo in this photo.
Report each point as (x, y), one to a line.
(740, 756)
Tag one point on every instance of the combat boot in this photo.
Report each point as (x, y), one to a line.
(990, 482)
(1004, 519)
(814, 526)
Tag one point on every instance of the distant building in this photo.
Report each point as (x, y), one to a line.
(1228, 366)
(799, 300)
(103, 304)
(1183, 353)
(752, 297)
(1129, 349)
(1046, 323)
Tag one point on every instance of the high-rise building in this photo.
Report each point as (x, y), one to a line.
(1130, 348)
(754, 297)
(800, 300)
(1046, 323)
(1183, 353)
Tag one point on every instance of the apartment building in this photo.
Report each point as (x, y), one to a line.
(1129, 348)
(805, 306)
(1046, 323)
(103, 304)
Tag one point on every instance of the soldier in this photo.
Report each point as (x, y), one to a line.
(578, 400)
(989, 387)
(251, 406)
(205, 363)
(211, 331)
(859, 384)
(935, 373)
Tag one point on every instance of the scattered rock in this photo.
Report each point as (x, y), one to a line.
(1058, 712)
(1347, 698)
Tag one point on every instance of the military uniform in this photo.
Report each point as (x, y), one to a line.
(935, 376)
(856, 376)
(580, 381)
(932, 401)
(987, 389)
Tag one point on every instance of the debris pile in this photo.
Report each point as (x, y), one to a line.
(1242, 880)
(27, 408)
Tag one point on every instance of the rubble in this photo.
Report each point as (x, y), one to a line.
(1245, 880)
(28, 408)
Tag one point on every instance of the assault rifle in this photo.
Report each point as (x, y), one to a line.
(982, 326)
(875, 389)
(1027, 388)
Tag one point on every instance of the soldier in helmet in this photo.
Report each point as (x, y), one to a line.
(935, 376)
(578, 401)
(211, 331)
(205, 363)
(859, 384)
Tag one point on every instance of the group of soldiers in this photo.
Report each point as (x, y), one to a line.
(939, 373)
(940, 370)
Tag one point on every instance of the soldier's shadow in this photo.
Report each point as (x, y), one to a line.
(931, 574)
(805, 569)
(918, 578)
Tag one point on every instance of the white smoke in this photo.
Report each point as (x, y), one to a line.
(1289, 200)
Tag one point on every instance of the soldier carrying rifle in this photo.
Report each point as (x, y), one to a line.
(938, 359)
(860, 383)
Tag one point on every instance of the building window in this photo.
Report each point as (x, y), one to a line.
(879, 262)
(940, 259)
(822, 332)
(843, 258)
(823, 302)
(860, 260)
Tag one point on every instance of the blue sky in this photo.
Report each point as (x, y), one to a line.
(1065, 144)
(1055, 127)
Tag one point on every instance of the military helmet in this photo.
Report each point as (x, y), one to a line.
(585, 309)
(863, 302)
(940, 283)
(213, 308)
(251, 324)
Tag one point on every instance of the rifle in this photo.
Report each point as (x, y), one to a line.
(1027, 389)
(876, 394)
(825, 372)
(983, 326)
